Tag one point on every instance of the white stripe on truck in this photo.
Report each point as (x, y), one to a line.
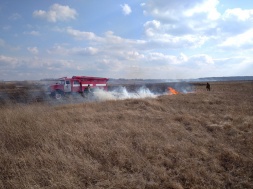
(87, 84)
(100, 85)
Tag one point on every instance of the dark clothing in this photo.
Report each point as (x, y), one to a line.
(208, 87)
(87, 90)
(81, 87)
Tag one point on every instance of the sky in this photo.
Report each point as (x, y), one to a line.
(134, 39)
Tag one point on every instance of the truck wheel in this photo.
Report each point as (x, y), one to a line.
(58, 95)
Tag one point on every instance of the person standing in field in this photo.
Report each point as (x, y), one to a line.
(208, 87)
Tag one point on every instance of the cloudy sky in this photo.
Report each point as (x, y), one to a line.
(152, 39)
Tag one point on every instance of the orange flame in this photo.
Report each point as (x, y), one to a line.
(173, 91)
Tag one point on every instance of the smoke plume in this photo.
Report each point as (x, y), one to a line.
(121, 93)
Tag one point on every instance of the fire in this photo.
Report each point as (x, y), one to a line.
(172, 91)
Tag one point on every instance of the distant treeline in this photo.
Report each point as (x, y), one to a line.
(234, 78)
(141, 81)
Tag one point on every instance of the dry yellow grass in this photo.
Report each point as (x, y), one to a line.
(197, 140)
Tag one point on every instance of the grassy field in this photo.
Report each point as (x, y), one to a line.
(195, 140)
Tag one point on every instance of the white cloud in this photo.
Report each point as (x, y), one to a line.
(169, 10)
(56, 13)
(243, 40)
(15, 16)
(181, 24)
(201, 59)
(34, 33)
(58, 49)
(179, 35)
(114, 39)
(238, 14)
(160, 57)
(191, 24)
(85, 51)
(151, 27)
(158, 36)
(126, 9)
(82, 35)
(182, 59)
(154, 24)
(195, 18)
(207, 7)
(133, 55)
(33, 50)
(235, 22)
(108, 42)
(64, 51)
(7, 60)
(118, 48)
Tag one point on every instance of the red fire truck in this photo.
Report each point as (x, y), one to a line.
(77, 84)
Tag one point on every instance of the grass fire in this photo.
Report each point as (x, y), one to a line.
(199, 139)
(172, 91)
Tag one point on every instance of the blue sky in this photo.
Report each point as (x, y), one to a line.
(152, 39)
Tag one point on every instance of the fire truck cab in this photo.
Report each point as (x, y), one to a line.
(77, 84)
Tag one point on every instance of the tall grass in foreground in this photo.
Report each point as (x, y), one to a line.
(197, 140)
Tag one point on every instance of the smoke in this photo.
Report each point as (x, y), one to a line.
(121, 93)
(26, 93)
(184, 87)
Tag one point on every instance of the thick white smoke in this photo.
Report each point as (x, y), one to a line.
(121, 93)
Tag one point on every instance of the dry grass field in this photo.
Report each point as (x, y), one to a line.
(198, 140)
